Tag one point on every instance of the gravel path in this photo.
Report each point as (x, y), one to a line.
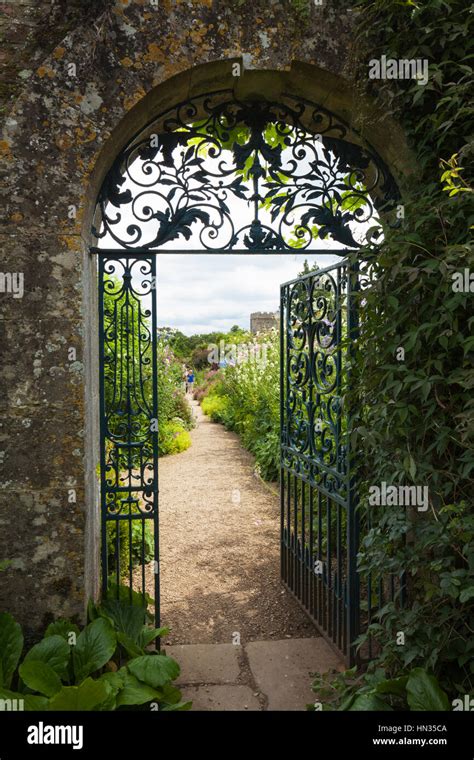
(219, 535)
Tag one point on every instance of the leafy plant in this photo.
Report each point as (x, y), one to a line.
(246, 398)
(417, 690)
(105, 666)
(414, 419)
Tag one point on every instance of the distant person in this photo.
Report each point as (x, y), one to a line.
(189, 381)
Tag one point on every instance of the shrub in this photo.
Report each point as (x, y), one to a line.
(173, 438)
(215, 407)
(416, 690)
(246, 399)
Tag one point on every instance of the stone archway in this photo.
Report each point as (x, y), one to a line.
(73, 114)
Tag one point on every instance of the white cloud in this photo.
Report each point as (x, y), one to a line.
(204, 293)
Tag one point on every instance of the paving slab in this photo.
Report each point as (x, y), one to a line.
(221, 697)
(206, 663)
(282, 669)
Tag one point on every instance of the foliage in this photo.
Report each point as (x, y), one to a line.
(415, 691)
(205, 383)
(416, 413)
(175, 417)
(137, 528)
(173, 437)
(246, 398)
(216, 407)
(105, 666)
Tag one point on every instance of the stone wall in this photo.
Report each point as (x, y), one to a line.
(79, 79)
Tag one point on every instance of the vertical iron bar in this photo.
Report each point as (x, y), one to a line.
(154, 434)
(282, 435)
(103, 429)
(353, 601)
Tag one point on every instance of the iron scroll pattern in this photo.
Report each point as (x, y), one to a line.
(314, 430)
(129, 413)
(249, 175)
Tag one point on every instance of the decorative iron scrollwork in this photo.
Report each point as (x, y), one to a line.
(255, 176)
(130, 467)
(315, 429)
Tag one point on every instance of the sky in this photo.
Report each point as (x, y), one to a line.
(206, 293)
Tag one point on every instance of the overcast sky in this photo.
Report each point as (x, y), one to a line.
(205, 293)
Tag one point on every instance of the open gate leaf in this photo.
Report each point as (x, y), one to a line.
(94, 647)
(39, 676)
(11, 645)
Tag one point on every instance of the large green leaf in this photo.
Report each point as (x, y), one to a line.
(367, 702)
(39, 676)
(62, 628)
(424, 692)
(171, 694)
(135, 692)
(11, 645)
(95, 646)
(126, 618)
(132, 649)
(30, 701)
(89, 695)
(148, 635)
(155, 670)
(116, 680)
(54, 651)
(393, 686)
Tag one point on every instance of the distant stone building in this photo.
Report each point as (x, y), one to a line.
(262, 321)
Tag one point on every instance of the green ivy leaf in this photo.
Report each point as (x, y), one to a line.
(466, 594)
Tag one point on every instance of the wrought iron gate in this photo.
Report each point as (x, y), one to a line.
(129, 425)
(217, 175)
(319, 521)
